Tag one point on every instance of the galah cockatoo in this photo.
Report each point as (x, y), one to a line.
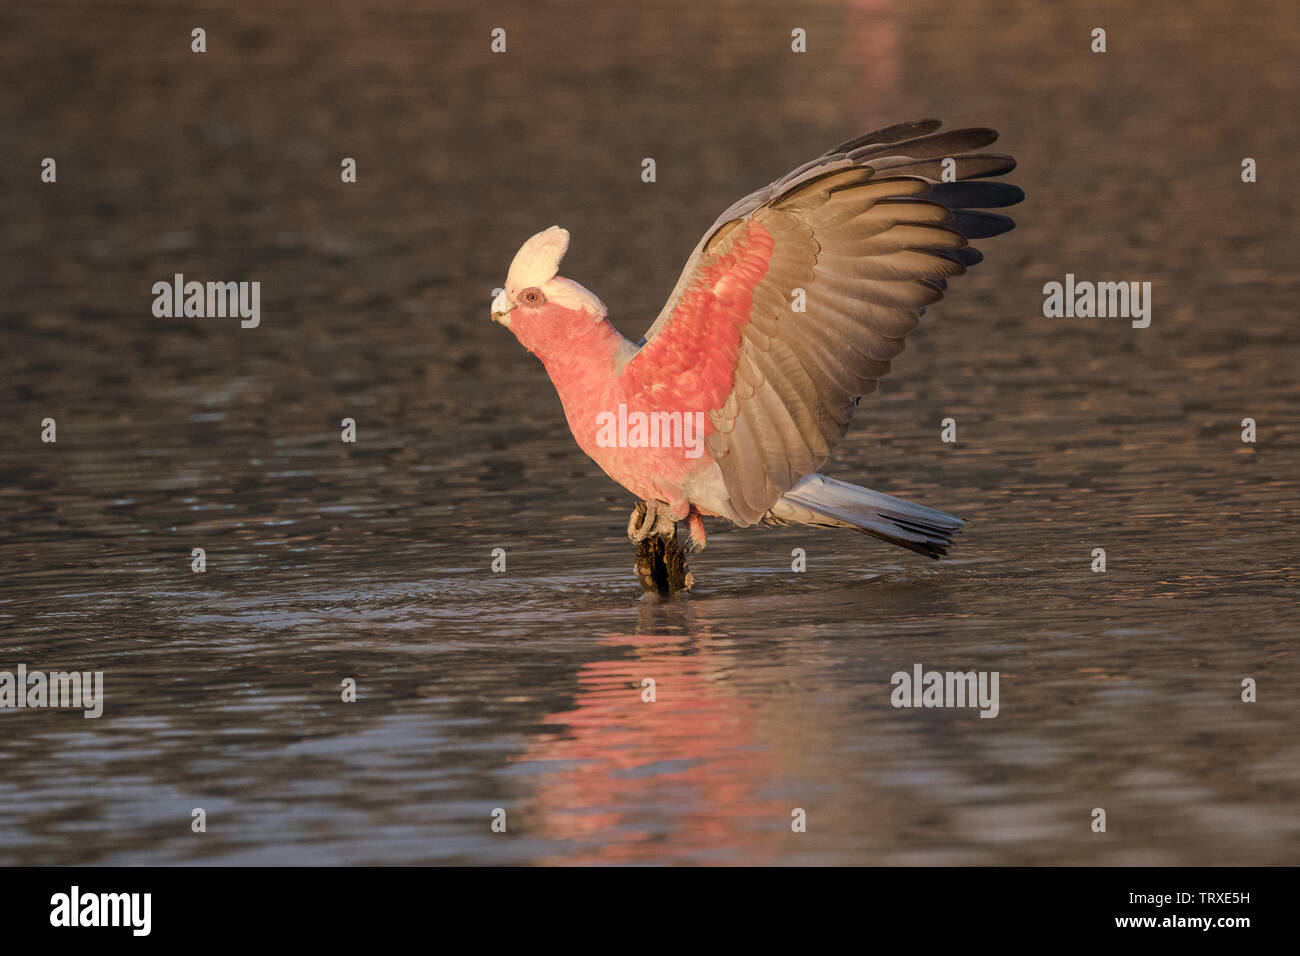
(788, 312)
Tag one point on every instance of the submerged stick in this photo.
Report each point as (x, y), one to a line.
(661, 562)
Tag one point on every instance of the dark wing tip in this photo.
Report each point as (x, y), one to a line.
(976, 195)
(979, 225)
(889, 134)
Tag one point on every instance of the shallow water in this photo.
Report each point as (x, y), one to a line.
(522, 690)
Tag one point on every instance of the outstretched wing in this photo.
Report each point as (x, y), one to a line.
(870, 233)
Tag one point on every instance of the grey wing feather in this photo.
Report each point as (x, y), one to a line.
(832, 159)
(872, 234)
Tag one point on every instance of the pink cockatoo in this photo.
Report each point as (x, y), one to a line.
(789, 310)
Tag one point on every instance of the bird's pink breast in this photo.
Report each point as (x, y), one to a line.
(686, 371)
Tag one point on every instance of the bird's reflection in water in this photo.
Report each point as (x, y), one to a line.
(684, 768)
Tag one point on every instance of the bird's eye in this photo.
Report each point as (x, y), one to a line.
(532, 297)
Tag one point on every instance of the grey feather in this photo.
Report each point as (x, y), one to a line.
(871, 234)
(824, 502)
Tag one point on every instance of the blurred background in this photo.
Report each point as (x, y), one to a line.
(522, 690)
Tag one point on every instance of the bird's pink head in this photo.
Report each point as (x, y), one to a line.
(544, 310)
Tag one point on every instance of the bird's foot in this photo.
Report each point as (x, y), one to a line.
(695, 525)
(651, 517)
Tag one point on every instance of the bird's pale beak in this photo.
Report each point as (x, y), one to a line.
(501, 307)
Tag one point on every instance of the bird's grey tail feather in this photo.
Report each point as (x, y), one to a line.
(822, 501)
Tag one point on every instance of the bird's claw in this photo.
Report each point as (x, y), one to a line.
(651, 517)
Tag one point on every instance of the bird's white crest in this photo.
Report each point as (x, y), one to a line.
(538, 260)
